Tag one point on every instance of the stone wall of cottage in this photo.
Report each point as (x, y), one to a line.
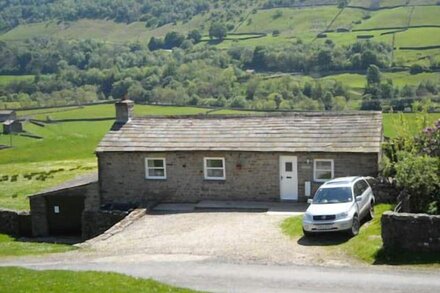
(249, 175)
(411, 232)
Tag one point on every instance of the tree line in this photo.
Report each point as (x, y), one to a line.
(153, 12)
(80, 71)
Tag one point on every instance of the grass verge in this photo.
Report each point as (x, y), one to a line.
(10, 246)
(24, 280)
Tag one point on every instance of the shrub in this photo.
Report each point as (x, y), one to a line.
(416, 69)
(418, 176)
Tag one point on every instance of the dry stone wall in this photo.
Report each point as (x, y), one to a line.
(411, 232)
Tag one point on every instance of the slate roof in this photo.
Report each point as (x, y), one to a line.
(354, 132)
(75, 182)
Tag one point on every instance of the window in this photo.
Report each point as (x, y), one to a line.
(323, 170)
(214, 168)
(360, 187)
(155, 168)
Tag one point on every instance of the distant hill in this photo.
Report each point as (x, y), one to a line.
(302, 40)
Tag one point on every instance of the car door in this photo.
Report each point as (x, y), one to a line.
(358, 190)
(363, 190)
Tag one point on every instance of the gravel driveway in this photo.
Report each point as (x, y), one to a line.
(227, 236)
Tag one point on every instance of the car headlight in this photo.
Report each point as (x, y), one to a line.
(307, 217)
(342, 215)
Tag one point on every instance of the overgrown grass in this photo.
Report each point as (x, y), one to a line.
(13, 247)
(419, 37)
(23, 280)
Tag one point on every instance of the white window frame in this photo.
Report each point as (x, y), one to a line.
(205, 168)
(316, 169)
(147, 176)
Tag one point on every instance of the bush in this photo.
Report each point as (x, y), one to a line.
(416, 69)
(418, 176)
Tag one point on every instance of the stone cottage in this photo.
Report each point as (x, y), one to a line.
(268, 157)
(260, 158)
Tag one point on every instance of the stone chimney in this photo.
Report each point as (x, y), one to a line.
(124, 110)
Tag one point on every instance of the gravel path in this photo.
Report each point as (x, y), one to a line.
(228, 236)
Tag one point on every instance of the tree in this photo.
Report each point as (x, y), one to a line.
(325, 59)
(195, 36)
(173, 39)
(373, 75)
(218, 31)
(155, 44)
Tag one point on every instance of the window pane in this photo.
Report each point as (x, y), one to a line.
(324, 165)
(323, 175)
(289, 167)
(215, 173)
(155, 163)
(156, 172)
(214, 163)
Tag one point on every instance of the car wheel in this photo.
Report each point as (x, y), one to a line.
(370, 215)
(355, 226)
(307, 234)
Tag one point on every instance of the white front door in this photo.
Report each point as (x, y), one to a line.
(288, 178)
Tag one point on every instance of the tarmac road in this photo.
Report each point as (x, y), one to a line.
(215, 276)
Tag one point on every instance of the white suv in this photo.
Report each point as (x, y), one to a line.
(339, 205)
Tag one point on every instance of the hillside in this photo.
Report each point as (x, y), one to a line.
(320, 42)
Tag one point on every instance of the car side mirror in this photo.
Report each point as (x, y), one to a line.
(359, 198)
(310, 200)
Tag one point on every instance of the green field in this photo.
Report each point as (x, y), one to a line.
(426, 15)
(347, 18)
(104, 30)
(14, 280)
(358, 81)
(297, 22)
(388, 18)
(7, 79)
(418, 37)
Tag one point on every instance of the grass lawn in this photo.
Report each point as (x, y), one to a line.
(366, 247)
(11, 247)
(23, 280)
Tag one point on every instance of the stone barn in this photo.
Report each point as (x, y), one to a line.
(12, 126)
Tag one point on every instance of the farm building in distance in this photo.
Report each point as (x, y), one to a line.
(12, 126)
(7, 115)
(193, 158)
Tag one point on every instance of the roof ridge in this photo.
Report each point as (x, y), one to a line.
(261, 115)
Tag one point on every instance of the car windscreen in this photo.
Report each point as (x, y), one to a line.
(333, 195)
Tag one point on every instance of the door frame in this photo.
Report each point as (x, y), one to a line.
(290, 194)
